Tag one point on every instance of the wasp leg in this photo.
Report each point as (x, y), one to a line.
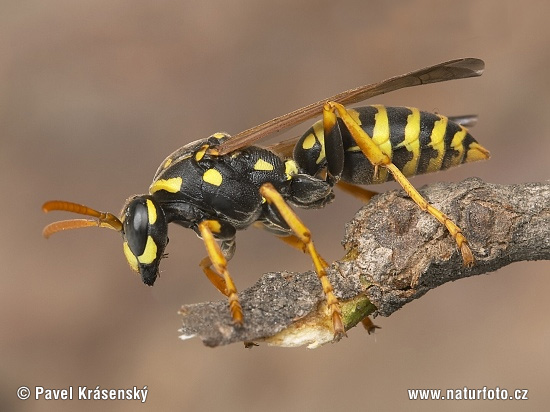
(287, 237)
(296, 243)
(369, 325)
(215, 278)
(378, 158)
(217, 259)
(299, 244)
(451, 226)
(304, 235)
(356, 191)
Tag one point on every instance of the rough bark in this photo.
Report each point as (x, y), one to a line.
(395, 253)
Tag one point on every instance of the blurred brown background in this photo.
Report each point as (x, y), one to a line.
(94, 94)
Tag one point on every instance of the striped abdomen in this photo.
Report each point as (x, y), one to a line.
(417, 142)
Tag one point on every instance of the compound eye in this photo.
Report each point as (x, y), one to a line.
(136, 225)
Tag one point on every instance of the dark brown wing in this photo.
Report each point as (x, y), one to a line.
(451, 70)
(284, 148)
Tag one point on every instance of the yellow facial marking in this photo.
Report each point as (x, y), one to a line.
(132, 260)
(261, 164)
(213, 177)
(437, 143)
(150, 252)
(200, 153)
(151, 212)
(412, 141)
(171, 185)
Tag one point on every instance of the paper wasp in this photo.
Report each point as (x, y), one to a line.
(222, 184)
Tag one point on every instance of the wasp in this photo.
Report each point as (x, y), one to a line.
(222, 184)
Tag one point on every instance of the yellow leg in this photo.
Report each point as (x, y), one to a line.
(380, 159)
(453, 229)
(293, 241)
(219, 262)
(296, 243)
(213, 277)
(304, 235)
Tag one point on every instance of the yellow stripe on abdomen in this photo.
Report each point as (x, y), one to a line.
(457, 144)
(412, 141)
(437, 142)
(381, 130)
(381, 136)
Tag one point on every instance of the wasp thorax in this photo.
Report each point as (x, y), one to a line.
(145, 236)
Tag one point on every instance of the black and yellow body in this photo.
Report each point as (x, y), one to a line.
(220, 185)
(415, 141)
(193, 185)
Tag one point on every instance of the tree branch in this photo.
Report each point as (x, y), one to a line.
(395, 253)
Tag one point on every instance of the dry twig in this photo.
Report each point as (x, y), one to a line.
(395, 253)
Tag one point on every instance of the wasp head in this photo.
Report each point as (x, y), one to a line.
(143, 227)
(145, 234)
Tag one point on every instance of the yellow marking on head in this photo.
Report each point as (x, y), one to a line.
(151, 212)
(381, 136)
(476, 152)
(167, 163)
(219, 135)
(213, 177)
(437, 143)
(172, 185)
(412, 141)
(150, 252)
(291, 168)
(262, 165)
(130, 257)
(200, 153)
(458, 144)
